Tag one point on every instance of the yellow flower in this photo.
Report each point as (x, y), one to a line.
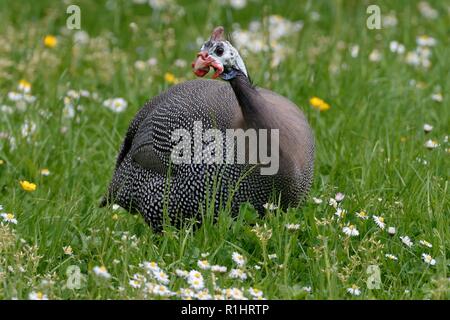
(28, 186)
(50, 41)
(2, 162)
(170, 78)
(24, 86)
(319, 104)
(115, 217)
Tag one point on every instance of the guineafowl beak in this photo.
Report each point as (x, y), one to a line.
(204, 62)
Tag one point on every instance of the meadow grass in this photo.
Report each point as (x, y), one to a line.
(369, 146)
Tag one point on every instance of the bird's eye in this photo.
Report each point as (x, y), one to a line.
(219, 51)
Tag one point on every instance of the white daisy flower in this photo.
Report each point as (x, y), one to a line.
(195, 279)
(203, 295)
(151, 266)
(217, 268)
(101, 272)
(379, 221)
(14, 96)
(181, 273)
(362, 215)
(389, 20)
(28, 128)
(340, 213)
(428, 259)
(140, 65)
(139, 277)
(292, 226)
(427, 128)
(152, 62)
(234, 293)
(354, 51)
(391, 256)
(431, 144)
(413, 58)
(180, 63)
(255, 293)
(339, 197)
(68, 250)
(161, 277)
(29, 98)
(272, 256)
(425, 243)
(238, 274)
(270, 206)
(317, 200)
(437, 97)
(149, 286)
(307, 289)
(81, 37)
(354, 290)
(425, 41)
(73, 94)
(115, 104)
(68, 111)
(9, 217)
(135, 283)
(375, 55)
(332, 202)
(85, 93)
(6, 109)
(238, 4)
(162, 290)
(37, 296)
(186, 293)
(350, 230)
(396, 47)
(391, 230)
(203, 264)
(427, 11)
(196, 284)
(45, 172)
(238, 259)
(407, 241)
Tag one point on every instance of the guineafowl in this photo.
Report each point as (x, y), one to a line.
(146, 178)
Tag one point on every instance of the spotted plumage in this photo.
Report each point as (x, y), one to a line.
(145, 179)
(141, 182)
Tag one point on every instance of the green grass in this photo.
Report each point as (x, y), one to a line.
(369, 145)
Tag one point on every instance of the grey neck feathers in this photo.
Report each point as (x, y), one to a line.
(259, 114)
(253, 105)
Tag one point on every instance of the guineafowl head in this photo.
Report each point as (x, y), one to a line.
(219, 54)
